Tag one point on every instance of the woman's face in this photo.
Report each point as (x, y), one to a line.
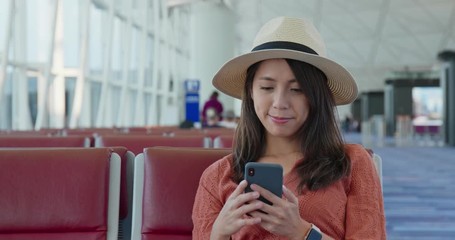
(278, 100)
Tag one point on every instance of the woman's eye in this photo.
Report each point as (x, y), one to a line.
(266, 88)
(296, 89)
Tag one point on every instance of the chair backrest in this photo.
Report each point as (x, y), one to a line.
(11, 141)
(60, 193)
(378, 164)
(215, 132)
(126, 190)
(223, 141)
(136, 143)
(165, 184)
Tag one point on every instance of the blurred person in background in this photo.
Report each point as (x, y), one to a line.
(215, 105)
(228, 120)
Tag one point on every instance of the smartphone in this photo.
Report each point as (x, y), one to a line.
(266, 175)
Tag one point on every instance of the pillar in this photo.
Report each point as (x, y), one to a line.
(448, 87)
(212, 44)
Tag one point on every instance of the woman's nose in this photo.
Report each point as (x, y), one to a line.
(280, 100)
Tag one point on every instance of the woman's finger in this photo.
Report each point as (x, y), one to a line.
(250, 207)
(244, 199)
(239, 189)
(289, 195)
(265, 193)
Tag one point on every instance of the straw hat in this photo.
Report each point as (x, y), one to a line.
(291, 38)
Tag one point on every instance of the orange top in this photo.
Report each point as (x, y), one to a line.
(351, 208)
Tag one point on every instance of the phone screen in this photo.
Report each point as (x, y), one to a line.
(266, 175)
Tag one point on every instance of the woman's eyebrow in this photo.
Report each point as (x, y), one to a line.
(266, 78)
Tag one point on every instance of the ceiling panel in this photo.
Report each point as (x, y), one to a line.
(370, 37)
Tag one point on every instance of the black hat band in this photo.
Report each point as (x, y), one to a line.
(284, 45)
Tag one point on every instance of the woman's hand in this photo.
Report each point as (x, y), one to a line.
(283, 217)
(233, 214)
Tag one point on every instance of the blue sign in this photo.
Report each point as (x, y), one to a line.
(192, 100)
(192, 86)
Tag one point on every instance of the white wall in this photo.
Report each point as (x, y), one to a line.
(212, 44)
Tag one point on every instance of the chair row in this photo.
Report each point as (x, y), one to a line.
(160, 131)
(126, 146)
(155, 205)
(135, 143)
(75, 193)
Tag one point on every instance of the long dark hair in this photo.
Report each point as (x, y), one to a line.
(321, 143)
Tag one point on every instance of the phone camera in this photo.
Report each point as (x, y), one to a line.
(250, 171)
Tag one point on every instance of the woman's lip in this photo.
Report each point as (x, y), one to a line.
(279, 119)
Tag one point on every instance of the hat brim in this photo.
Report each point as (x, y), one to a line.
(230, 79)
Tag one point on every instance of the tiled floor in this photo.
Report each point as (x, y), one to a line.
(419, 191)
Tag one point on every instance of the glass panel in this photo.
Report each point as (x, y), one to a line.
(147, 105)
(120, 5)
(4, 12)
(95, 92)
(96, 49)
(135, 4)
(115, 100)
(6, 109)
(8, 87)
(70, 86)
(160, 79)
(39, 17)
(158, 110)
(117, 50)
(427, 105)
(132, 107)
(149, 62)
(134, 61)
(71, 33)
(32, 83)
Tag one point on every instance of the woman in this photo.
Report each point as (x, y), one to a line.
(290, 90)
(213, 109)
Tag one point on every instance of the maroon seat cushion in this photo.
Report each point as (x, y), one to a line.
(54, 193)
(170, 183)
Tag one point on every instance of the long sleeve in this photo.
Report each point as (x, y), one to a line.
(206, 208)
(351, 208)
(214, 188)
(365, 207)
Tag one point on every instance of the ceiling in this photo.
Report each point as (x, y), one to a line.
(374, 39)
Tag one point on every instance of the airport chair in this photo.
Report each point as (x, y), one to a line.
(137, 143)
(223, 141)
(11, 141)
(165, 184)
(126, 190)
(59, 193)
(42, 132)
(378, 164)
(215, 132)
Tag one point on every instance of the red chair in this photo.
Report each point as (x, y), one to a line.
(43, 141)
(137, 143)
(215, 132)
(126, 189)
(59, 193)
(165, 184)
(223, 141)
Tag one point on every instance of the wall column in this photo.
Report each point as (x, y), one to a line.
(212, 44)
(448, 86)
